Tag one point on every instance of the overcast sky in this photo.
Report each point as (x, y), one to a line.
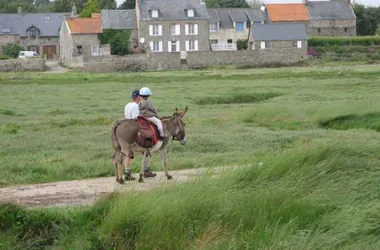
(365, 2)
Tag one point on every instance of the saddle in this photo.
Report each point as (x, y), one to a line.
(148, 134)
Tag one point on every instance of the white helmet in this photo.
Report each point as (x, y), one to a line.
(145, 91)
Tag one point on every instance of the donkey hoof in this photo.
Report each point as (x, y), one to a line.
(169, 177)
(120, 181)
(141, 180)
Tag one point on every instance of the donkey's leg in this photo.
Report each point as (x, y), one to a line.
(144, 165)
(118, 160)
(165, 164)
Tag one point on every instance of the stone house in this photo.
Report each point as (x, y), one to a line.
(331, 18)
(287, 13)
(121, 20)
(79, 39)
(288, 40)
(227, 26)
(173, 25)
(33, 31)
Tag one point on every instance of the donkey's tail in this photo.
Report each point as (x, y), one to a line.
(115, 142)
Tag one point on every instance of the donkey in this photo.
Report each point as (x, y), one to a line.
(123, 137)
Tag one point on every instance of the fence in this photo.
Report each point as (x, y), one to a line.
(223, 47)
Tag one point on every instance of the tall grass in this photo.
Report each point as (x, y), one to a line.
(317, 195)
(344, 41)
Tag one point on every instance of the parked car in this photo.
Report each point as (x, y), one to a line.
(27, 54)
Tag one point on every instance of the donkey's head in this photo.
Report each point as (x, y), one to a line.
(178, 126)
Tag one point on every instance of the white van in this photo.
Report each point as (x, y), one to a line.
(26, 54)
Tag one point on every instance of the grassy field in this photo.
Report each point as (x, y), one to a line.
(309, 136)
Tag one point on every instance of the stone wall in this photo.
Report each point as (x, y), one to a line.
(196, 60)
(16, 65)
(331, 28)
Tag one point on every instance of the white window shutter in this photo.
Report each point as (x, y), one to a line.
(151, 46)
(186, 29)
(187, 46)
(177, 47)
(299, 44)
(195, 29)
(196, 45)
(262, 45)
(178, 29)
(151, 30)
(160, 46)
(160, 30)
(169, 46)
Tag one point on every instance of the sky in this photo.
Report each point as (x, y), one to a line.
(365, 2)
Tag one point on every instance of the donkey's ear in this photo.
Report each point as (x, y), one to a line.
(175, 112)
(184, 112)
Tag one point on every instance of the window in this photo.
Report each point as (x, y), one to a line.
(213, 27)
(79, 50)
(47, 18)
(6, 30)
(229, 41)
(192, 45)
(319, 30)
(156, 46)
(263, 45)
(240, 26)
(190, 13)
(175, 30)
(213, 41)
(95, 50)
(173, 46)
(32, 48)
(345, 30)
(299, 44)
(155, 30)
(154, 13)
(191, 29)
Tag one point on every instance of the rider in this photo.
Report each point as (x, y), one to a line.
(149, 111)
(131, 111)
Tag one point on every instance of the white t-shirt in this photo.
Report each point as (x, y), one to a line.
(131, 110)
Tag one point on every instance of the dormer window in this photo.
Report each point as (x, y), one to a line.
(190, 13)
(33, 32)
(47, 18)
(154, 13)
(6, 30)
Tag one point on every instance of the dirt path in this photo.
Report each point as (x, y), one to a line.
(86, 192)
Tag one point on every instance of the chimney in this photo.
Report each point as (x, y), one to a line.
(349, 2)
(74, 11)
(19, 10)
(306, 2)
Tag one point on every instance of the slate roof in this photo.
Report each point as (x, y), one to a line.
(85, 25)
(289, 12)
(48, 23)
(119, 19)
(226, 16)
(173, 9)
(279, 32)
(323, 10)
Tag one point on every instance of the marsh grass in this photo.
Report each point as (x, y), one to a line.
(365, 121)
(236, 98)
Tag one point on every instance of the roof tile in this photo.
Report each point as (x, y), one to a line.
(85, 25)
(287, 12)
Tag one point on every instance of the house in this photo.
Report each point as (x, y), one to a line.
(331, 18)
(33, 31)
(173, 25)
(121, 20)
(287, 13)
(227, 26)
(285, 39)
(79, 38)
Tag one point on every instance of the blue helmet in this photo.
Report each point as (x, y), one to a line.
(145, 91)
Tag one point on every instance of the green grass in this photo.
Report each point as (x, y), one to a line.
(310, 153)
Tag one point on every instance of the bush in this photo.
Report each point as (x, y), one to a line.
(344, 41)
(12, 50)
(242, 44)
(4, 58)
(118, 39)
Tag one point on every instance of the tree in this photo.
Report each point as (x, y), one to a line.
(90, 7)
(128, 4)
(255, 3)
(12, 50)
(367, 19)
(212, 4)
(118, 39)
(9, 6)
(107, 4)
(66, 5)
(233, 4)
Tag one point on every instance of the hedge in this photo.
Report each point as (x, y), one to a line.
(344, 41)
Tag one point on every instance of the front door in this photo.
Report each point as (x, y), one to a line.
(50, 51)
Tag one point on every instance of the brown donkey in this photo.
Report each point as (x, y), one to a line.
(123, 136)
